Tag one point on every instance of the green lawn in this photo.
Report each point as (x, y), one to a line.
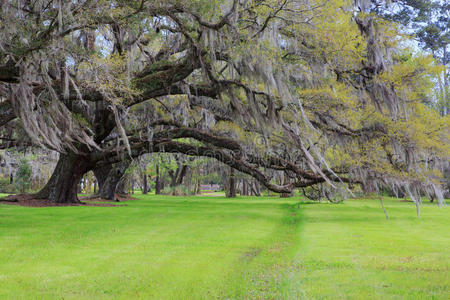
(161, 247)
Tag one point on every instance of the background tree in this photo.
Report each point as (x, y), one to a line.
(429, 22)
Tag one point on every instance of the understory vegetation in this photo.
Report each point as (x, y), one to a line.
(163, 247)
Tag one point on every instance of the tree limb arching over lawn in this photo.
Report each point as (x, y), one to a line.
(314, 91)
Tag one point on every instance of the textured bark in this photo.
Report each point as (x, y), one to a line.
(63, 184)
(122, 187)
(101, 174)
(108, 186)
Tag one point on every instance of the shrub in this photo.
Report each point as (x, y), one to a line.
(6, 187)
(179, 190)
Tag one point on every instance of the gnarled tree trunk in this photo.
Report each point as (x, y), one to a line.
(108, 183)
(101, 174)
(63, 184)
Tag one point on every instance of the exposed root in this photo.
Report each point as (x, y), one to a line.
(29, 200)
(117, 198)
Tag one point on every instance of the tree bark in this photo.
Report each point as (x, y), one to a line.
(157, 182)
(101, 174)
(109, 184)
(254, 189)
(231, 188)
(63, 184)
(244, 188)
(286, 195)
(145, 187)
(121, 188)
(197, 188)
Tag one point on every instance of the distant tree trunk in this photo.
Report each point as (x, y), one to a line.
(62, 186)
(182, 174)
(176, 177)
(11, 178)
(157, 182)
(286, 195)
(231, 186)
(145, 187)
(254, 189)
(189, 182)
(380, 197)
(197, 189)
(162, 178)
(244, 188)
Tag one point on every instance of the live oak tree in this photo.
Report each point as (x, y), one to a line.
(312, 92)
(428, 21)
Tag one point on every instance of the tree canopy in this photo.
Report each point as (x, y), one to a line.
(310, 91)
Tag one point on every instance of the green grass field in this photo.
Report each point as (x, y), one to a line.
(161, 247)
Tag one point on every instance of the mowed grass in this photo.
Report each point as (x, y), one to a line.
(349, 251)
(161, 247)
(157, 247)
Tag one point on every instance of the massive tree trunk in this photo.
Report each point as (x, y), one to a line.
(101, 174)
(63, 184)
(108, 184)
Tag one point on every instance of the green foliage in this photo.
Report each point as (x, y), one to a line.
(179, 190)
(7, 187)
(23, 175)
(289, 76)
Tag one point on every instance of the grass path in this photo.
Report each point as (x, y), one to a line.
(213, 247)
